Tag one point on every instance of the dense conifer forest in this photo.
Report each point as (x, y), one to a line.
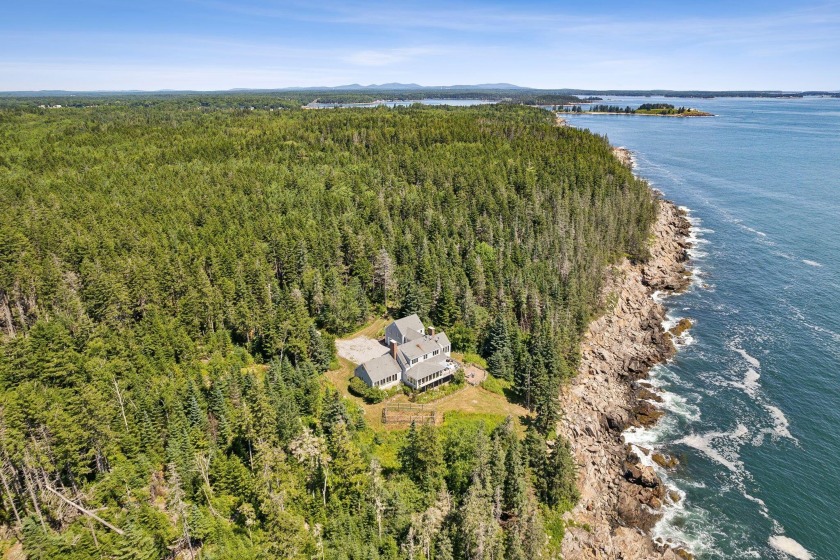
(172, 279)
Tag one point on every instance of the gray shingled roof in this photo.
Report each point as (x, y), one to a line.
(411, 334)
(417, 348)
(381, 367)
(412, 322)
(442, 339)
(428, 367)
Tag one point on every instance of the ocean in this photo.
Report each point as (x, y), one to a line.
(753, 396)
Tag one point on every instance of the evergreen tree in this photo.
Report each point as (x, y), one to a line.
(140, 304)
(447, 311)
(559, 474)
(421, 457)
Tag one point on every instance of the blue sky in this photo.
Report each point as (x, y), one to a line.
(599, 44)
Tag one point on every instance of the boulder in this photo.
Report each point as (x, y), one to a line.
(647, 414)
(641, 475)
(634, 514)
(665, 461)
(614, 422)
(648, 395)
(682, 326)
(653, 502)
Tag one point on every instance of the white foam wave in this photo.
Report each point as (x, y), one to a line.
(698, 535)
(812, 263)
(685, 339)
(728, 457)
(762, 507)
(696, 253)
(752, 360)
(753, 230)
(789, 547)
(694, 236)
(697, 276)
(751, 382)
(780, 423)
(784, 255)
(660, 377)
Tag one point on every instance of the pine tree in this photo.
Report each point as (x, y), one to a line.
(320, 353)
(217, 410)
(515, 484)
(447, 311)
(559, 474)
(414, 300)
(192, 409)
(443, 548)
(421, 457)
(335, 412)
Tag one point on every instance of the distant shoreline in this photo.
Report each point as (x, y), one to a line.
(678, 115)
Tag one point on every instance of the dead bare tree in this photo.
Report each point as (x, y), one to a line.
(85, 511)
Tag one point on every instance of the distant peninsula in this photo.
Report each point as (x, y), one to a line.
(648, 109)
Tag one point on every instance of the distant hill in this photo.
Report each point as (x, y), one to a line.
(496, 89)
(391, 86)
(397, 86)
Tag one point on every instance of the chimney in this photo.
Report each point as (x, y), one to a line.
(394, 349)
(431, 331)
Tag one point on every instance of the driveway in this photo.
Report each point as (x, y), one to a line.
(360, 349)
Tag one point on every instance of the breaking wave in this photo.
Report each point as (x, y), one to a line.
(789, 547)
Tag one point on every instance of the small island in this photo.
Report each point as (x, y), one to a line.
(654, 109)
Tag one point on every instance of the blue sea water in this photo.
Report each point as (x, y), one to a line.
(753, 397)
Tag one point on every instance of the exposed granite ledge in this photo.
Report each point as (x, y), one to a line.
(620, 498)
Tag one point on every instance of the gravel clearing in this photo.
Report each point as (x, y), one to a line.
(360, 349)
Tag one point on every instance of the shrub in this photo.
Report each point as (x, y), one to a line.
(371, 395)
(495, 385)
(475, 359)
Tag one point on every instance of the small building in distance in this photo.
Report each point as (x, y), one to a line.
(417, 356)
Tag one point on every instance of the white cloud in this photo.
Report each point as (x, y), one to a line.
(385, 57)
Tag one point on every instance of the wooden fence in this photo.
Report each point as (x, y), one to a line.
(406, 413)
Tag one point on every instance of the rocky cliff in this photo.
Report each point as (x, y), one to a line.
(620, 497)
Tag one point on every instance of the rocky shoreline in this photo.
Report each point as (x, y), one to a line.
(621, 496)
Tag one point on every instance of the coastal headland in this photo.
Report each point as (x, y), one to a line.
(686, 115)
(621, 496)
(645, 110)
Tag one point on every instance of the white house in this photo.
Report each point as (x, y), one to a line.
(417, 356)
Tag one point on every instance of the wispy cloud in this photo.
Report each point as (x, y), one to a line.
(385, 57)
(292, 42)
